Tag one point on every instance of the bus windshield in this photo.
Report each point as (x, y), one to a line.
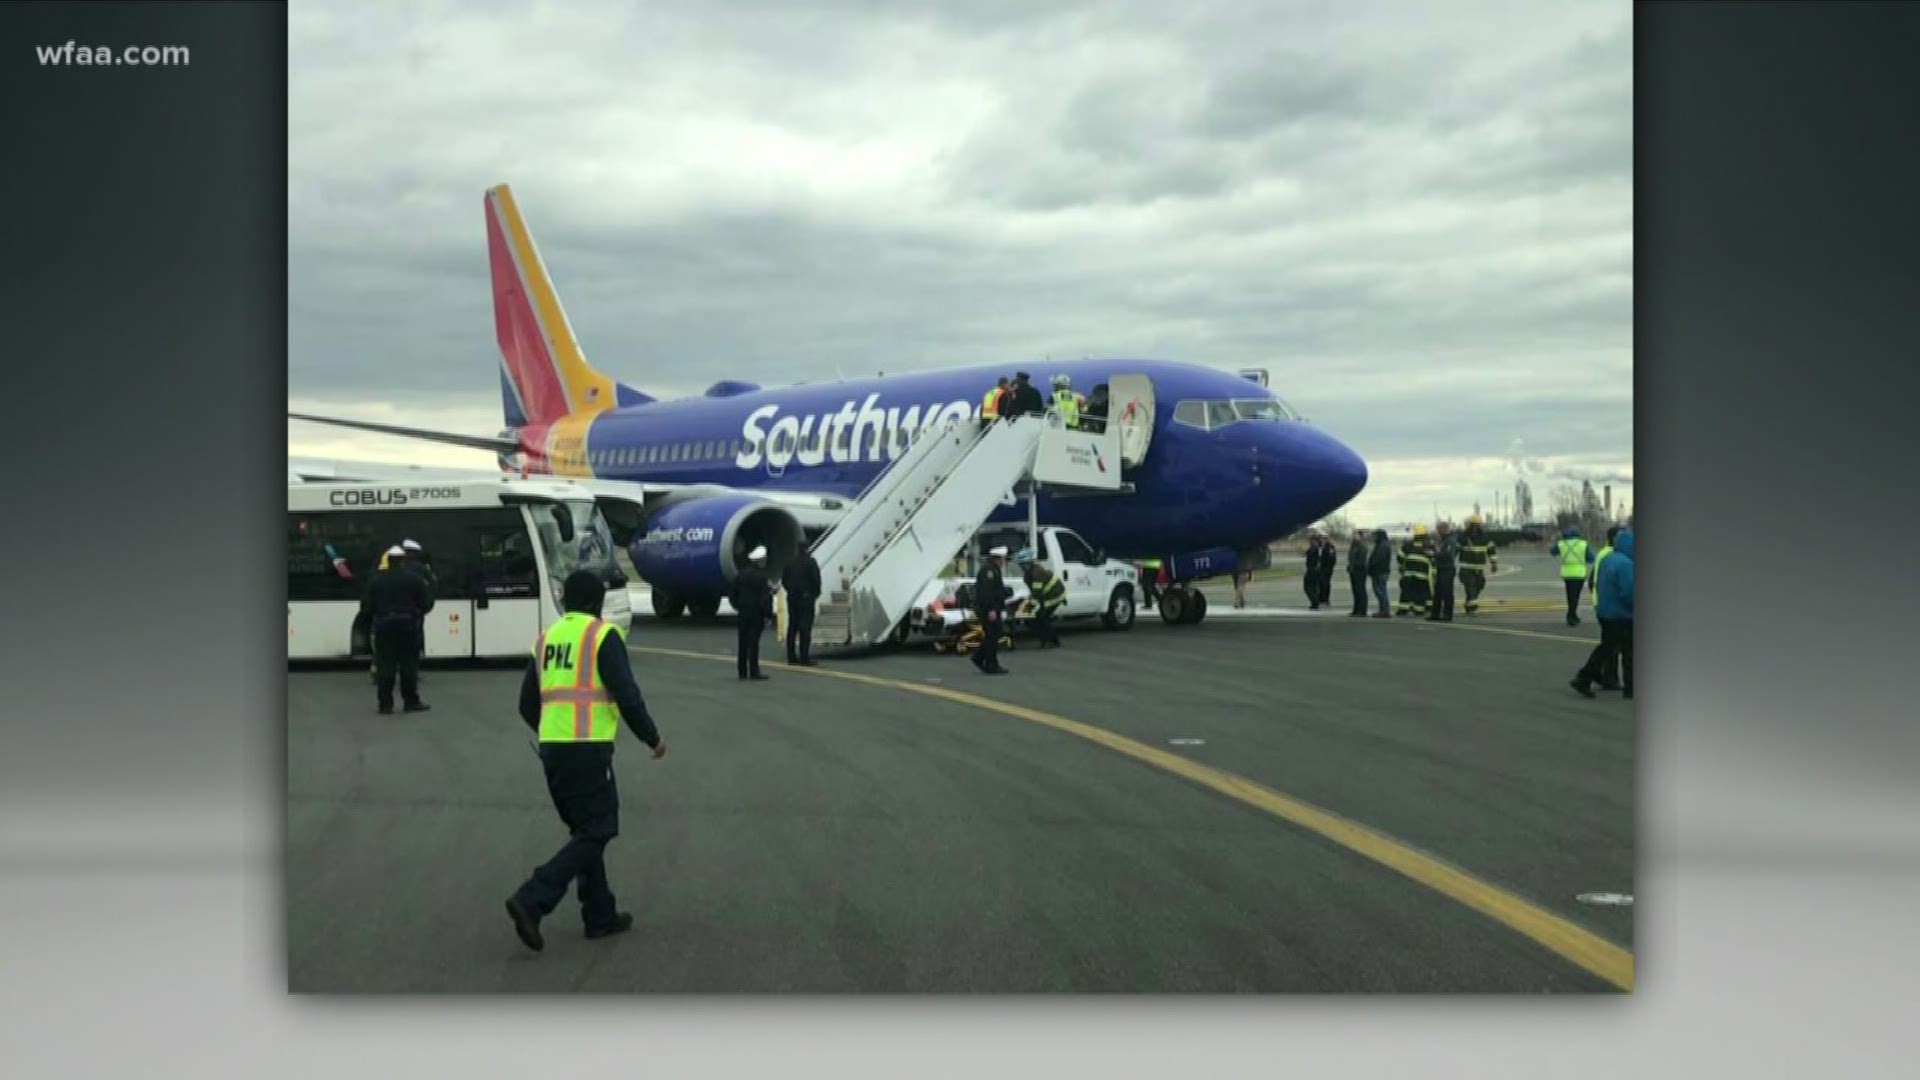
(590, 549)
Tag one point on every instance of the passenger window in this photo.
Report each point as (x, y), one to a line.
(1191, 413)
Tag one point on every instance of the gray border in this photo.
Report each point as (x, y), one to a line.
(1781, 873)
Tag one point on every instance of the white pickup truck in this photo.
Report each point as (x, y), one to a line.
(1097, 587)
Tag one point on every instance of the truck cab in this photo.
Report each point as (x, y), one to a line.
(1097, 587)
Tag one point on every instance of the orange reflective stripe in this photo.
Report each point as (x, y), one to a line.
(583, 681)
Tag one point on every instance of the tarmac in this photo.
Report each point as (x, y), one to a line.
(1304, 802)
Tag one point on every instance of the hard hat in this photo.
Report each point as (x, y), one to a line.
(1473, 519)
(757, 553)
(397, 551)
(410, 545)
(1419, 530)
(1062, 380)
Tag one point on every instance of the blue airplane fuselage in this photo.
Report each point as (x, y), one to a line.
(1232, 485)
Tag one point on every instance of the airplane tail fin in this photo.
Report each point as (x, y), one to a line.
(543, 374)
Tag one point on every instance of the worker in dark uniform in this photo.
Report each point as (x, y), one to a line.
(1379, 566)
(801, 579)
(989, 604)
(396, 603)
(1477, 559)
(1446, 564)
(1357, 552)
(752, 598)
(1025, 398)
(1320, 563)
(578, 688)
(1048, 593)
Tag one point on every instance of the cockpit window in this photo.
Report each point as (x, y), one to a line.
(1213, 415)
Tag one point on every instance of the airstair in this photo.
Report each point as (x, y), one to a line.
(910, 522)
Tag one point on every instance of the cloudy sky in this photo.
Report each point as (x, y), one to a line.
(1418, 216)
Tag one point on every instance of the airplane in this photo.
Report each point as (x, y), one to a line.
(1229, 466)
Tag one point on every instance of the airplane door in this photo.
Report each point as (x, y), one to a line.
(1131, 407)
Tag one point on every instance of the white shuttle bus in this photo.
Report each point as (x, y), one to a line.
(499, 549)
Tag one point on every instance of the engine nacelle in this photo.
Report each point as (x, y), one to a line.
(696, 546)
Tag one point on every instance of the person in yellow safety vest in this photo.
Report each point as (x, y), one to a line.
(578, 688)
(1576, 564)
(1477, 559)
(1065, 401)
(1149, 582)
(990, 404)
(1416, 574)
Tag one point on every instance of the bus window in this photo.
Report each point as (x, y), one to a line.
(506, 565)
(313, 542)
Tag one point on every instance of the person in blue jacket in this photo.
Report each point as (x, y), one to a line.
(1614, 607)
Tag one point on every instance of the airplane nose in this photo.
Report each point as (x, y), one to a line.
(1337, 475)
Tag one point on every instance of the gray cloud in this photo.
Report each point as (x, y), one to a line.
(1418, 216)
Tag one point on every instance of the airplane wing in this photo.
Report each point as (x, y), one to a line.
(492, 444)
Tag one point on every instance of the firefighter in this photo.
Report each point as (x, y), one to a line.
(1477, 559)
(1416, 574)
(1048, 593)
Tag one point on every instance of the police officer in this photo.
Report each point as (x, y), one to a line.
(1576, 562)
(578, 688)
(395, 605)
(1065, 401)
(1416, 574)
(989, 604)
(1048, 593)
(1446, 563)
(801, 579)
(752, 598)
(1477, 559)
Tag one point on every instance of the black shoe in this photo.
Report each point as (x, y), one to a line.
(622, 922)
(525, 925)
(386, 710)
(757, 677)
(809, 663)
(1610, 686)
(1581, 688)
(418, 706)
(1383, 615)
